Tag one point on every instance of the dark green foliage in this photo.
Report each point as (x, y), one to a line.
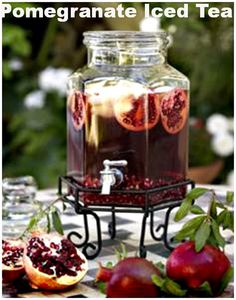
(205, 228)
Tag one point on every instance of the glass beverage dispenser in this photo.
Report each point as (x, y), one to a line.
(127, 119)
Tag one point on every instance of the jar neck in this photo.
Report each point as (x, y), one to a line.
(125, 57)
(126, 48)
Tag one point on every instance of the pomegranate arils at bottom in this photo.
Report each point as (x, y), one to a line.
(134, 183)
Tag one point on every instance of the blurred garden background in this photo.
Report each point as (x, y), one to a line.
(39, 54)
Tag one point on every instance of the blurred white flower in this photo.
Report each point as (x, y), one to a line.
(52, 79)
(15, 64)
(35, 99)
(150, 24)
(172, 29)
(216, 124)
(230, 179)
(223, 144)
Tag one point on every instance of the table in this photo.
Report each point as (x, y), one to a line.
(128, 231)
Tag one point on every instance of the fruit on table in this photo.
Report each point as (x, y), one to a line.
(194, 268)
(12, 260)
(129, 278)
(174, 110)
(53, 263)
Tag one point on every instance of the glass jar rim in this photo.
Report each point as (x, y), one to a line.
(111, 36)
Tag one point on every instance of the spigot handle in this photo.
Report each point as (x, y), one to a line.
(115, 163)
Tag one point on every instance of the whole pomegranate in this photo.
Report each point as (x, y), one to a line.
(130, 278)
(12, 260)
(193, 268)
(53, 263)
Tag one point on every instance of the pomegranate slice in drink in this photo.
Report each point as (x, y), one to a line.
(174, 110)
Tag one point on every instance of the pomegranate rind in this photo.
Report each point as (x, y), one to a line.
(194, 268)
(130, 278)
(10, 273)
(184, 113)
(71, 103)
(123, 106)
(50, 282)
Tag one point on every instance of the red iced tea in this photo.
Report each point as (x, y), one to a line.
(124, 120)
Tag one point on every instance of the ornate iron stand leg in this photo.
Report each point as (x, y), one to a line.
(159, 227)
(79, 236)
(91, 246)
(112, 225)
(165, 233)
(91, 250)
(142, 248)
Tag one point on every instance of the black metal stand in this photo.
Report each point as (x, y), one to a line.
(90, 249)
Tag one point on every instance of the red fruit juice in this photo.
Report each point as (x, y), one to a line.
(148, 129)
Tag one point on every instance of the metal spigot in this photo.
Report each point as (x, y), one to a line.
(111, 176)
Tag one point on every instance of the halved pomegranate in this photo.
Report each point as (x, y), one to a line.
(174, 110)
(194, 268)
(137, 114)
(12, 260)
(53, 263)
(77, 108)
(130, 278)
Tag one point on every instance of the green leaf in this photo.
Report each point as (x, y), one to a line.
(229, 197)
(183, 210)
(205, 288)
(189, 227)
(121, 252)
(220, 218)
(196, 193)
(220, 205)
(191, 236)
(57, 222)
(231, 221)
(187, 203)
(227, 223)
(173, 288)
(202, 235)
(124, 250)
(33, 221)
(168, 286)
(101, 286)
(213, 211)
(212, 241)
(161, 267)
(196, 209)
(157, 280)
(109, 265)
(216, 231)
(226, 279)
(48, 223)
